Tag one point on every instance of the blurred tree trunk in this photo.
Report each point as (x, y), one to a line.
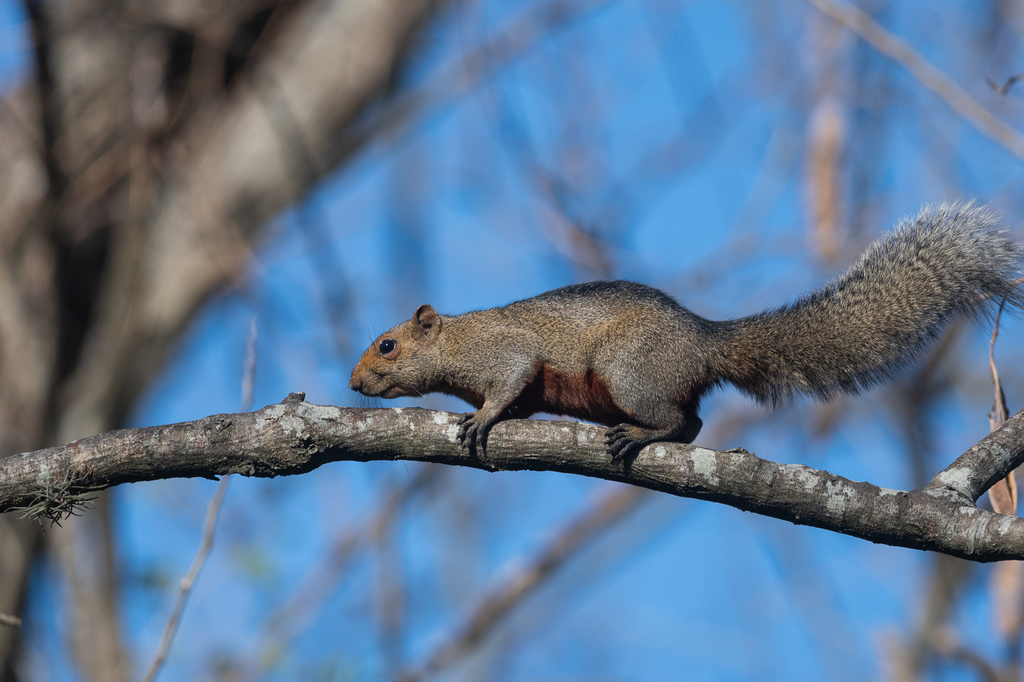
(138, 167)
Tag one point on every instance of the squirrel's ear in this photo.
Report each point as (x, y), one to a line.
(426, 321)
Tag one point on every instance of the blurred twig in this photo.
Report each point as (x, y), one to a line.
(1003, 495)
(291, 617)
(248, 379)
(1007, 579)
(10, 621)
(42, 41)
(1005, 87)
(188, 581)
(946, 644)
(492, 610)
(1000, 413)
(860, 22)
(249, 373)
(947, 577)
(514, 40)
(914, 397)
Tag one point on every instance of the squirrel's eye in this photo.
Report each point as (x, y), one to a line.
(386, 346)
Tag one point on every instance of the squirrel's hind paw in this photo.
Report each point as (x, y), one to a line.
(625, 440)
(620, 440)
(473, 432)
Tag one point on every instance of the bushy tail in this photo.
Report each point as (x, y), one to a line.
(884, 312)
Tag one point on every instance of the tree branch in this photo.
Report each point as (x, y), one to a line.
(295, 437)
(861, 23)
(985, 463)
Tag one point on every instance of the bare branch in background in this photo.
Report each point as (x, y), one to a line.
(1004, 493)
(138, 170)
(294, 615)
(187, 582)
(185, 587)
(496, 606)
(928, 75)
(947, 644)
(249, 372)
(1005, 87)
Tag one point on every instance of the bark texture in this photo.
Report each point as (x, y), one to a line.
(295, 437)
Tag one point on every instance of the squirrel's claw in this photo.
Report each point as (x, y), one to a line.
(618, 442)
(472, 432)
(466, 428)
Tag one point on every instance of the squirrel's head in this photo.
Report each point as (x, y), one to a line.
(399, 362)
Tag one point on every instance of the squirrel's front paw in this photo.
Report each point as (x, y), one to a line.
(472, 432)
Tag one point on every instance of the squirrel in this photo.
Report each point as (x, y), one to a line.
(630, 357)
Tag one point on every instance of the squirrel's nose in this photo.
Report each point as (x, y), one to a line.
(356, 384)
